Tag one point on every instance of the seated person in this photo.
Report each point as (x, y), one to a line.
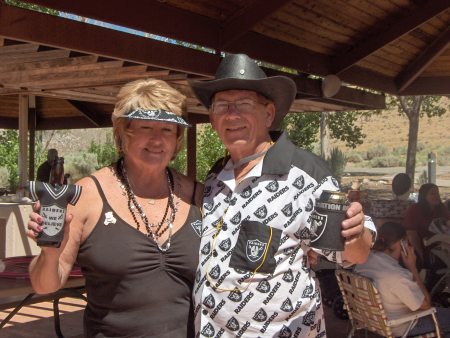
(402, 291)
(420, 215)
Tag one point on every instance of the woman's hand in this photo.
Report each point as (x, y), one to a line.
(409, 259)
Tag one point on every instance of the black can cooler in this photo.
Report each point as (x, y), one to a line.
(326, 221)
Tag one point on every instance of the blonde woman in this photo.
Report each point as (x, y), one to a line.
(135, 229)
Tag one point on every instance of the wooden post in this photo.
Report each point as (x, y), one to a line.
(32, 129)
(23, 143)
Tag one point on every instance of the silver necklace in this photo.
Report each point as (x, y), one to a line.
(134, 204)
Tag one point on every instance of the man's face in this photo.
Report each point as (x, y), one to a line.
(242, 119)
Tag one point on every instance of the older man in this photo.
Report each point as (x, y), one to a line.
(254, 277)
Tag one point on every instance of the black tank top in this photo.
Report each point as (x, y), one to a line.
(133, 289)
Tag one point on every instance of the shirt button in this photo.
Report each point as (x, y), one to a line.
(215, 253)
(207, 283)
(205, 312)
(224, 227)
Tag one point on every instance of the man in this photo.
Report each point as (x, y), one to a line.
(254, 278)
(401, 288)
(43, 172)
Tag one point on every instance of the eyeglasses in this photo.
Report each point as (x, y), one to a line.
(243, 106)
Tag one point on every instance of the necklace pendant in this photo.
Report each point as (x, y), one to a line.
(151, 201)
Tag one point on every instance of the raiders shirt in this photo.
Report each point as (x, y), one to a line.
(254, 279)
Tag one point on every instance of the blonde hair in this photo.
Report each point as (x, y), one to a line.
(146, 94)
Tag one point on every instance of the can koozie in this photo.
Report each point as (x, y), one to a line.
(326, 221)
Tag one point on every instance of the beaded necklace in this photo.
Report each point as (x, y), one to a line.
(153, 231)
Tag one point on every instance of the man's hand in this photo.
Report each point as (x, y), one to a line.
(353, 225)
(357, 239)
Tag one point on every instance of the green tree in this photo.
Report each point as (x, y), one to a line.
(33, 7)
(209, 150)
(303, 128)
(9, 149)
(106, 152)
(415, 107)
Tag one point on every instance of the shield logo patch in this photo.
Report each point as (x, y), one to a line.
(255, 250)
(318, 225)
(54, 217)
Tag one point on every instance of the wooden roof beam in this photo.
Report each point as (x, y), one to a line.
(241, 24)
(49, 64)
(76, 122)
(428, 86)
(54, 31)
(426, 57)
(87, 111)
(146, 16)
(387, 33)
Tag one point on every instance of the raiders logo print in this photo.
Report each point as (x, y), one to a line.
(232, 324)
(309, 206)
(197, 276)
(207, 191)
(299, 182)
(335, 182)
(318, 225)
(327, 252)
(303, 234)
(236, 218)
(233, 201)
(260, 315)
(261, 212)
(209, 302)
(208, 331)
(308, 291)
(206, 249)
(308, 319)
(225, 245)
(197, 226)
(288, 251)
(235, 296)
(215, 272)
(287, 210)
(240, 271)
(215, 224)
(255, 249)
(286, 306)
(220, 184)
(263, 286)
(246, 193)
(285, 332)
(272, 186)
(305, 267)
(208, 206)
(288, 276)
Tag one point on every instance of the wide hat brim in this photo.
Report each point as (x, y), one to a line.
(280, 89)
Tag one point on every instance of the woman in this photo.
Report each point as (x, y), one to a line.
(420, 215)
(134, 229)
(401, 288)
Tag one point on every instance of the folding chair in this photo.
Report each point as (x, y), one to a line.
(365, 309)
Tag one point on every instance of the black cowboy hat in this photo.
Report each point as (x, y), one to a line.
(238, 71)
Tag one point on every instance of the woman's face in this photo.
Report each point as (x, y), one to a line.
(433, 197)
(151, 143)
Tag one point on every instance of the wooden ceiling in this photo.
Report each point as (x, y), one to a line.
(74, 69)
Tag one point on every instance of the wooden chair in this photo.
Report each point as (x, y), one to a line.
(365, 310)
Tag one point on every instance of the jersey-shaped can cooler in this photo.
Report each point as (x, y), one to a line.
(54, 199)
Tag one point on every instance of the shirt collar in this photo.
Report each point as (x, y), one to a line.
(278, 159)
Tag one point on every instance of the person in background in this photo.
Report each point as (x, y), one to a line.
(43, 172)
(254, 278)
(401, 288)
(419, 217)
(135, 230)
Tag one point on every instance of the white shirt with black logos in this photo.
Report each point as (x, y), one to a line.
(254, 279)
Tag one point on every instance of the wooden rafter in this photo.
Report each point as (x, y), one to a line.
(388, 33)
(87, 111)
(426, 57)
(48, 64)
(241, 24)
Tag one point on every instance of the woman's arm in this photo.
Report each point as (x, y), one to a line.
(51, 268)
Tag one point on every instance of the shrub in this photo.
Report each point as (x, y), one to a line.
(386, 162)
(336, 163)
(4, 177)
(378, 151)
(354, 157)
(80, 165)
